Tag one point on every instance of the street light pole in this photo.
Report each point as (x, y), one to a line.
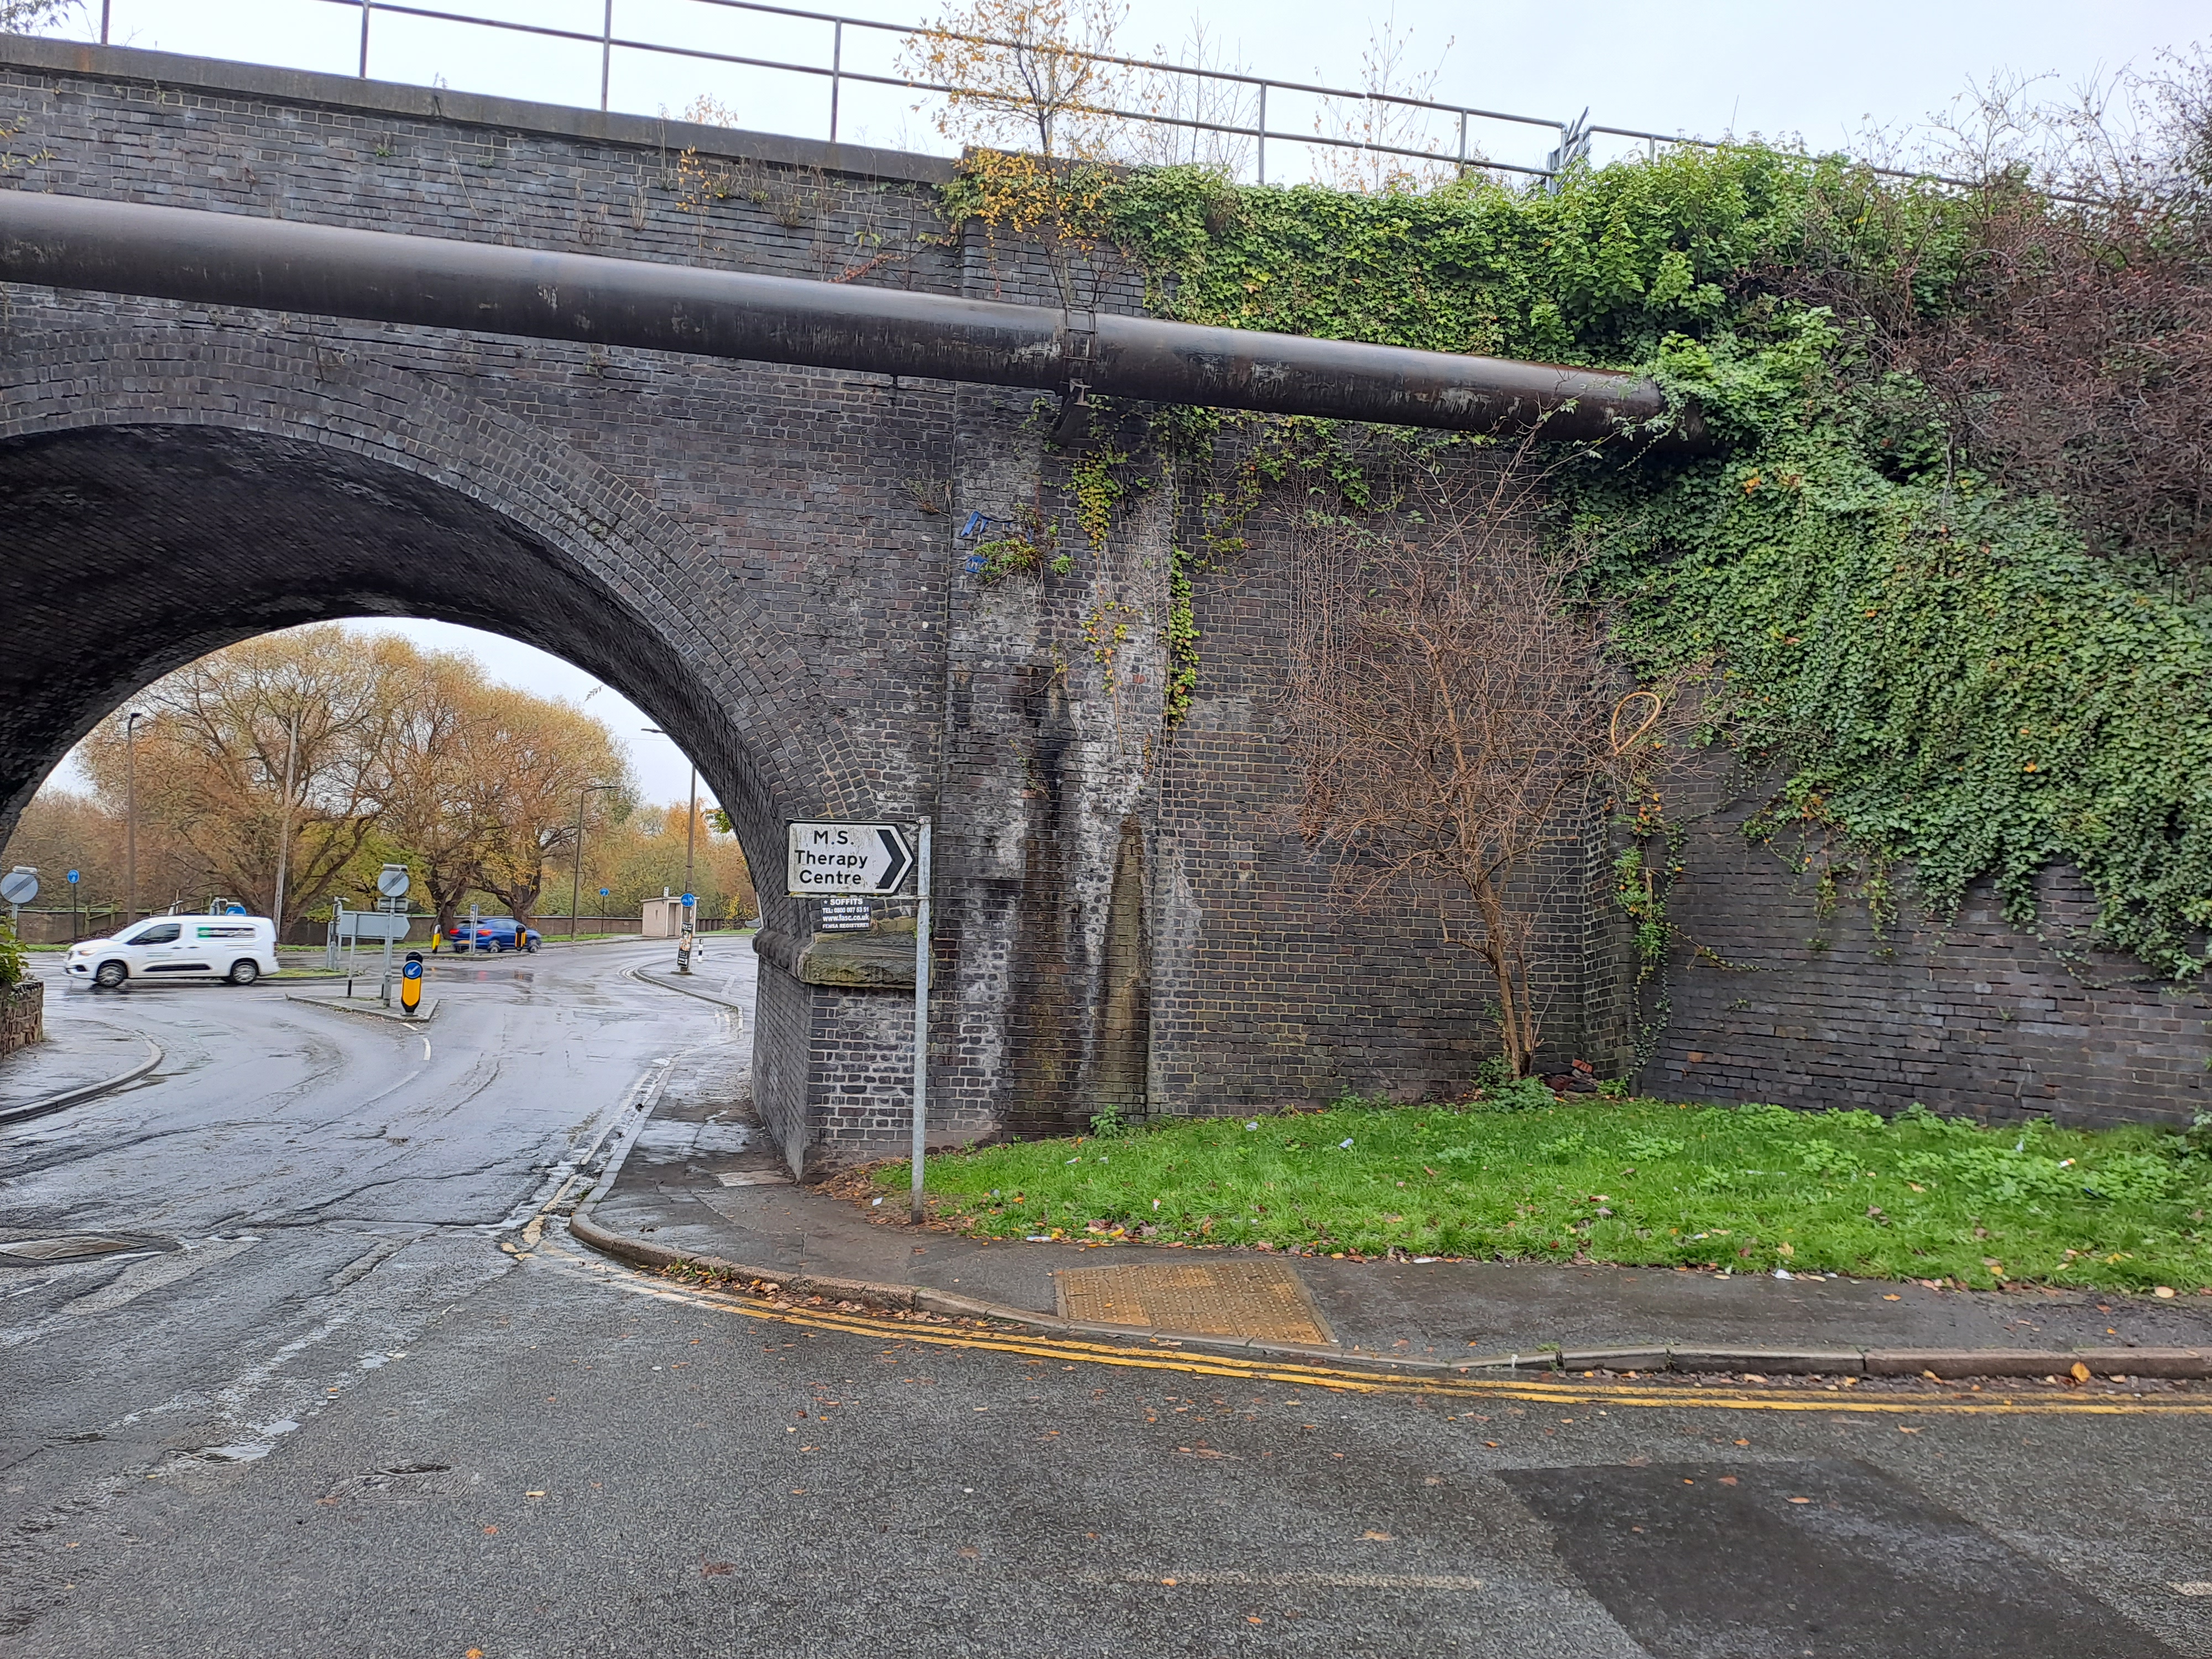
(130, 816)
(284, 840)
(576, 885)
(690, 838)
(690, 831)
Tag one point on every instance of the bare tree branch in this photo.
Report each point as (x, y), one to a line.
(1448, 709)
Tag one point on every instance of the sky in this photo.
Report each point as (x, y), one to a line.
(1824, 73)
(1702, 67)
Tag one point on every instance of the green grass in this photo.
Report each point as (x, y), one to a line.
(1643, 1182)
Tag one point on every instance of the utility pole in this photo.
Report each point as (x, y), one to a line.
(284, 838)
(130, 816)
(690, 836)
(576, 886)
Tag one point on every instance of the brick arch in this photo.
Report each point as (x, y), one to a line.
(161, 500)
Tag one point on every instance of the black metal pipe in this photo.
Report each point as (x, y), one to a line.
(237, 259)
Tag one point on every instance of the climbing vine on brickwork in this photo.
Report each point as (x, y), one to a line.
(1944, 673)
(1025, 544)
(1094, 479)
(1182, 642)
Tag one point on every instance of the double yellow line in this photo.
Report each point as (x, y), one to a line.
(1068, 1349)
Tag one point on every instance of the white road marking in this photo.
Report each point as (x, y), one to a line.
(143, 1275)
(1379, 1581)
(152, 1274)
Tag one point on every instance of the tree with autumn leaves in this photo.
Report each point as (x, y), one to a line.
(311, 757)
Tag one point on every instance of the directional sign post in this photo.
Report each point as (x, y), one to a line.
(19, 887)
(860, 861)
(392, 881)
(920, 1024)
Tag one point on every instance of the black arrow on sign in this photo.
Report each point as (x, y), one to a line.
(902, 859)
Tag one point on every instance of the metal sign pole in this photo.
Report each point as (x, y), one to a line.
(920, 1015)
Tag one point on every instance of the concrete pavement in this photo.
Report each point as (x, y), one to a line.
(719, 1190)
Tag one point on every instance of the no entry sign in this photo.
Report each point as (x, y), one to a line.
(827, 858)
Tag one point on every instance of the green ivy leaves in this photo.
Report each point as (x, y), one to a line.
(1939, 673)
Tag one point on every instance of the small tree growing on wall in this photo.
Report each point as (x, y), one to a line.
(1025, 73)
(1447, 710)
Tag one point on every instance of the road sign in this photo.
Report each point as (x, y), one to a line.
(235, 910)
(72, 878)
(603, 892)
(392, 881)
(691, 900)
(19, 886)
(410, 982)
(371, 924)
(846, 858)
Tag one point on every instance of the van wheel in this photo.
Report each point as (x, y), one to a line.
(110, 975)
(244, 971)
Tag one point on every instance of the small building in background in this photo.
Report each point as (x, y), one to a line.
(664, 916)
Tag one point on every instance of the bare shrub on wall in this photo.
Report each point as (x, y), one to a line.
(2059, 310)
(1448, 709)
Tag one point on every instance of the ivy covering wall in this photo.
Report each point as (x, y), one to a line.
(1946, 675)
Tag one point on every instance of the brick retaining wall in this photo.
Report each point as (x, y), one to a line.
(23, 1016)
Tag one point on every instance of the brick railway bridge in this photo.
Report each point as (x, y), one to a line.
(758, 548)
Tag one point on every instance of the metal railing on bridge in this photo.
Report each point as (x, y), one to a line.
(1225, 117)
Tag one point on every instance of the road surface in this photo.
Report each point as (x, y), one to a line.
(340, 1407)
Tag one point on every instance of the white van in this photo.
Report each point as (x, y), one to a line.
(240, 949)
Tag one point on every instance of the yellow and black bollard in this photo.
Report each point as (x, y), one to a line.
(411, 984)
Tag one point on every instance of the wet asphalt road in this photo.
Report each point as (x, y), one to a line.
(346, 1421)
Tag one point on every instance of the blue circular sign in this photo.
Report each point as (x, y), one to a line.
(412, 971)
(235, 910)
(603, 892)
(691, 899)
(72, 876)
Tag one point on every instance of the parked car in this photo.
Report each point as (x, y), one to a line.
(240, 949)
(494, 933)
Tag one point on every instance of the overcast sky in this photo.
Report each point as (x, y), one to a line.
(1706, 67)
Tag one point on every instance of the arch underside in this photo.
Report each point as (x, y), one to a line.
(133, 550)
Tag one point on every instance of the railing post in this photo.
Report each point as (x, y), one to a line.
(105, 6)
(606, 52)
(836, 68)
(1463, 144)
(364, 39)
(1263, 132)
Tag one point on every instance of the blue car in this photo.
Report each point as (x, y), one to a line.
(494, 933)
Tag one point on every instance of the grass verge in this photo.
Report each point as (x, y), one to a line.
(1635, 1182)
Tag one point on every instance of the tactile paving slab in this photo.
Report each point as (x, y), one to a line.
(1266, 1300)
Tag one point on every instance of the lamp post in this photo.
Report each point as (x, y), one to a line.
(130, 816)
(691, 823)
(284, 837)
(576, 886)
